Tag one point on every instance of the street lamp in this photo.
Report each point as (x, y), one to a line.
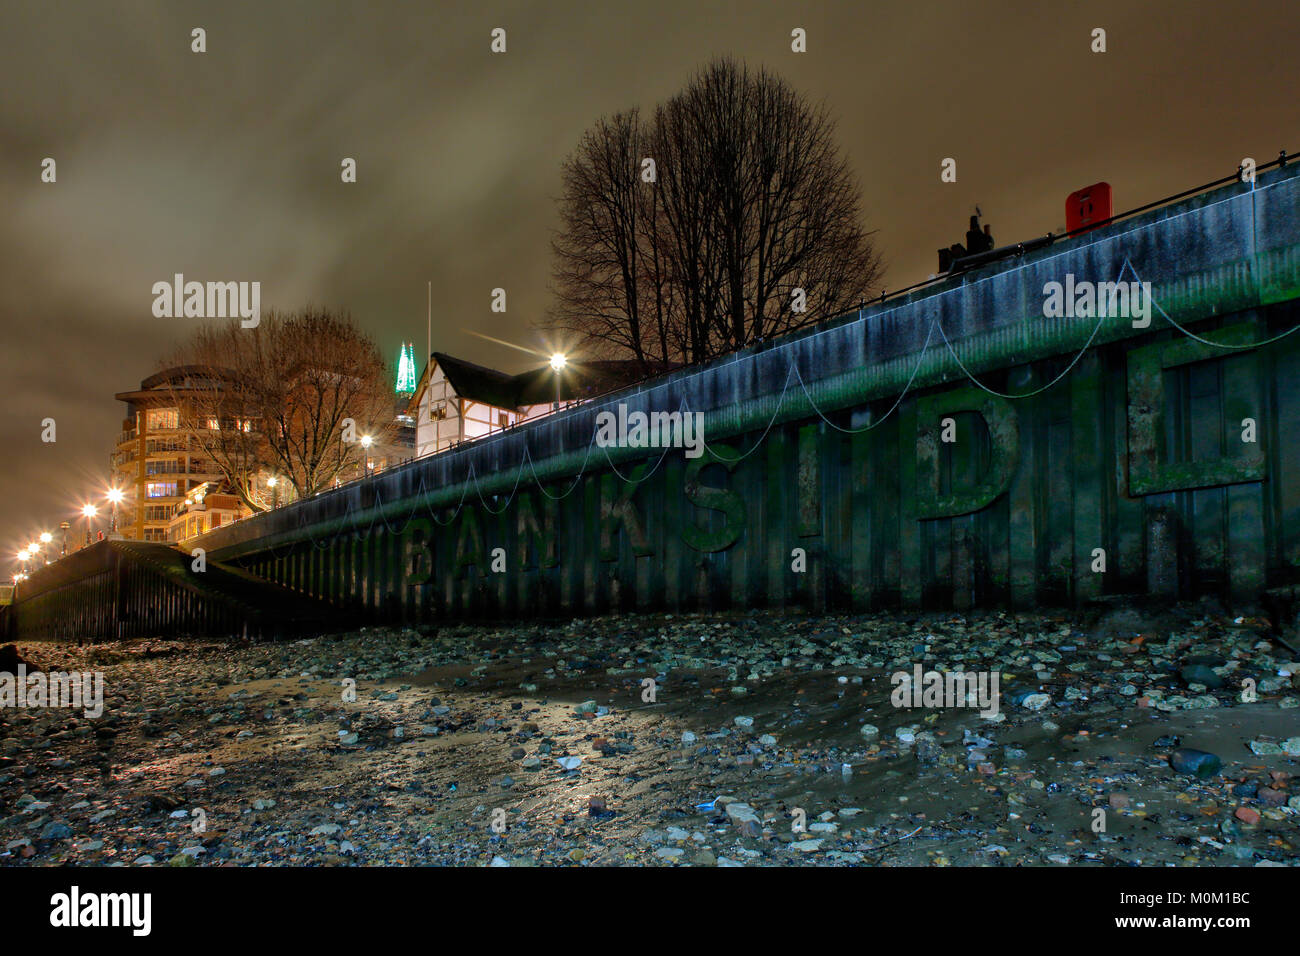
(64, 526)
(46, 538)
(558, 361)
(366, 442)
(89, 511)
(271, 483)
(115, 496)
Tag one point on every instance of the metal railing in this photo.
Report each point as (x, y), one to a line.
(884, 297)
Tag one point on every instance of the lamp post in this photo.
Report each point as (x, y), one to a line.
(558, 361)
(366, 442)
(273, 484)
(89, 511)
(64, 526)
(115, 496)
(46, 538)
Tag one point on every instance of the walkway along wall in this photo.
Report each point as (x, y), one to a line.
(955, 449)
(123, 589)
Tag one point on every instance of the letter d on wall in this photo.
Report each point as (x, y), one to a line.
(1004, 439)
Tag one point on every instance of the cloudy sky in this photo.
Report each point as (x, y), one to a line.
(225, 165)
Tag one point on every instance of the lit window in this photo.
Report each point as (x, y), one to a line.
(162, 418)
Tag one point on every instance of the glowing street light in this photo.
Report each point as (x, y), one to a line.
(558, 361)
(89, 511)
(115, 496)
(272, 483)
(366, 442)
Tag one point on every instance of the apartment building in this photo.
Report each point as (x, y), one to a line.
(156, 462)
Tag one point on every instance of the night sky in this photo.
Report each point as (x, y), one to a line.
(225, 165)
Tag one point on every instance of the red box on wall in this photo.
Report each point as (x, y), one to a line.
(1086, 207)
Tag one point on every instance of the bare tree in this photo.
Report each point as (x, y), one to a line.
(750, 202)
(688, 201)
(302, 396)
(320, 372)
(616, 283)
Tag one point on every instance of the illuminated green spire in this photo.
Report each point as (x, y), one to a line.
(406, 370)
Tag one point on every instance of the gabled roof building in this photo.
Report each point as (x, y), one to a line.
(457, 401)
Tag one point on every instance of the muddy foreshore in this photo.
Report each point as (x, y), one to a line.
(765, 739)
